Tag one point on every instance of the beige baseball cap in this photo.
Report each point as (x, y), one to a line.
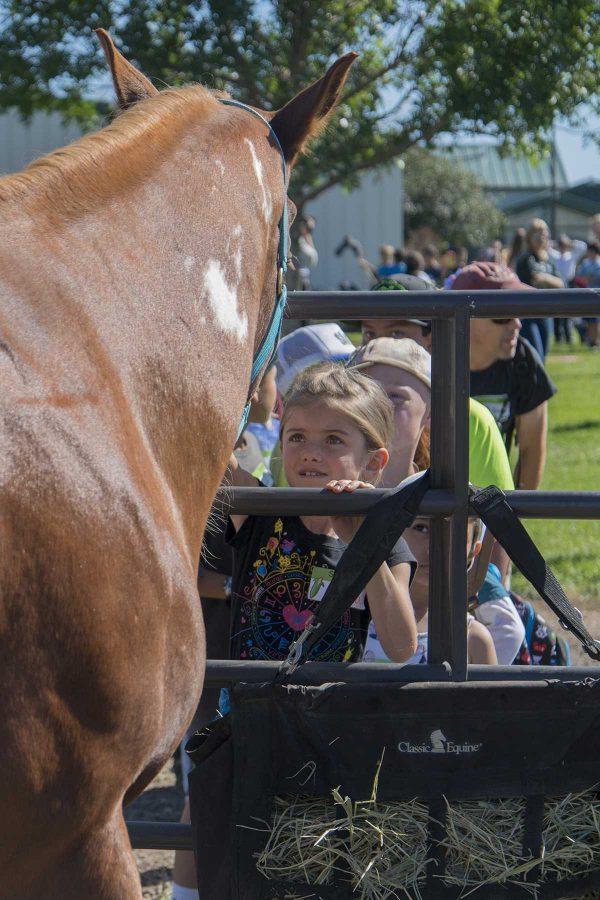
(403, 353)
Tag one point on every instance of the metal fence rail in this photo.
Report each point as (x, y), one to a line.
(230, 671)
(447, 502)
(352, 306)
(315, 502)
(449, 313)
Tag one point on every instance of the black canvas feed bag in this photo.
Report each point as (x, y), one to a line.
(430, 741)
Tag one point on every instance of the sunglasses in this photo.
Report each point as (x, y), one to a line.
(501, 321)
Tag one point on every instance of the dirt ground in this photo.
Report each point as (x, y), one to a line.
(162, 801)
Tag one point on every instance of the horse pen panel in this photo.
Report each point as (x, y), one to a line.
(448, 498)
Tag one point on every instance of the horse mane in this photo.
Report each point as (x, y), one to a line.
(68, 180)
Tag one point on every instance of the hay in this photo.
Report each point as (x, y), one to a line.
(484, 844)
(380, 849)
(484, 841)
(571, 835)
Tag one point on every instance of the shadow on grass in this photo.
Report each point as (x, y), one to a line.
(567, 427)
(161, 875)
(573, 558)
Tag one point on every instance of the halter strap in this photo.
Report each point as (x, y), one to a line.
(267, 349)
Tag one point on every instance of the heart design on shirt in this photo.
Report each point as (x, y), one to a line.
(295, 618)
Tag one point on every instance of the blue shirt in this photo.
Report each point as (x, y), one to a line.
(394, 269)
(492, 587)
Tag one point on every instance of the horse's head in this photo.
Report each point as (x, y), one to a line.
(249, 169)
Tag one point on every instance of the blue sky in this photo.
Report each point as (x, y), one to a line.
(581, 161)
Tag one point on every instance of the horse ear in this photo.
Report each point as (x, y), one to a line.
(130, 85)
(304, 116)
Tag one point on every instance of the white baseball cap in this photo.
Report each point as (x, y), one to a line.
(308, 345)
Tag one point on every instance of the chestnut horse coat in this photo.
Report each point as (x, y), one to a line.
(137, 274)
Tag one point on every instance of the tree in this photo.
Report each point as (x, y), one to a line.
(428, 67)
(449, 200)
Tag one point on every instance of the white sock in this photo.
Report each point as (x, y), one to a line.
(184, 893)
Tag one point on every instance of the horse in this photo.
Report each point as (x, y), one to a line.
(137, 278)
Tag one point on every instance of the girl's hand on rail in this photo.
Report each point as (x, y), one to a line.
(346, 526)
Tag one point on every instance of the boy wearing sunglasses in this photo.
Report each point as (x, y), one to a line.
(507, 375)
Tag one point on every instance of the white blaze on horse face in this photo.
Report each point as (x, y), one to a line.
(224, 302)
(267, 206)
(220, 166)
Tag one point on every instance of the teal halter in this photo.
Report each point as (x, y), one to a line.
(267, 350)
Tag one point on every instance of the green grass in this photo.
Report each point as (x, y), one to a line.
(572, 548)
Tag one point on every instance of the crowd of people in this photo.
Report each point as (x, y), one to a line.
(537, 261)
(345, 413)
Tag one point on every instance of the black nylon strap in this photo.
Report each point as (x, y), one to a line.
(493, 508)
(369, 548)
(533, 841)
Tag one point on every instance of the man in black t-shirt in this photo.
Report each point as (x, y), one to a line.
(508, 376)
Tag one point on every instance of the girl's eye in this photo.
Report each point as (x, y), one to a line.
(397, 334)
(334, 439)
(422, 529)
(294, 437)
(397, 399)
(368, 336)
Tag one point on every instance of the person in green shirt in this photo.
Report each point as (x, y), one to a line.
(488, 460)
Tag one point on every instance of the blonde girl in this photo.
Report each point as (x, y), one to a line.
(335, 430)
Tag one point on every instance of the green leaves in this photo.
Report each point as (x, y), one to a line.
(510, 69)
(449, 200)
(427, 67)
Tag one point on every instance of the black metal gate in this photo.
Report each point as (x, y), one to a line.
(447, 503)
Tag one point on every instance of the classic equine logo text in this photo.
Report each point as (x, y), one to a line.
(438, 744)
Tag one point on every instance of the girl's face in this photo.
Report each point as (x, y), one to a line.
(411, 399)
(417, 538)
(320, 443)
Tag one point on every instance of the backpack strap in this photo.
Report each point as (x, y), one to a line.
(369, 548)
(493, 508)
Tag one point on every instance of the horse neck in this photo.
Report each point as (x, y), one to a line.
(169, 278)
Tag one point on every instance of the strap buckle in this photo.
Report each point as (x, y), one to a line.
(280, 281)
(486, 499)
(579, 616)
(291, 663)
(595, 652)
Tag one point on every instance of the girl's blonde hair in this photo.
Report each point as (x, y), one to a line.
(349, 392)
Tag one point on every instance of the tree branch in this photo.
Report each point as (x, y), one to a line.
(387, 114)
(402, 144)
(383, 70)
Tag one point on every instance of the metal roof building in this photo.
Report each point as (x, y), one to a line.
(524, 190)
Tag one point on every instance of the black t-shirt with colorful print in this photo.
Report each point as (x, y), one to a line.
(281, 571)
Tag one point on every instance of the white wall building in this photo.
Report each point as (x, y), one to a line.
(21, 142)
(372, 213)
